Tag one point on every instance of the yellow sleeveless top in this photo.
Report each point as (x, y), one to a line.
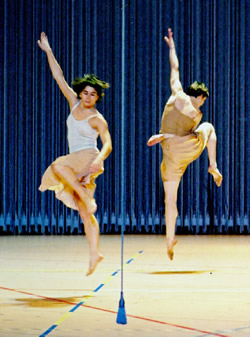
(181, 119)
(177, 122)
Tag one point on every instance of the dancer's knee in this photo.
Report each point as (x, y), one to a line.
(207, 130)
(56, 168)
(206, 127)
(210, 127)
(211, 132)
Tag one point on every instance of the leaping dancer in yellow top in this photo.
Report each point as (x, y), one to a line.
(182, 142)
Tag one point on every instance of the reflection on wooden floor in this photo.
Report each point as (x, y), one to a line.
(204, 291)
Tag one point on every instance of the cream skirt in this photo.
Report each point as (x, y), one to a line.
(179, 152)
(80, 163)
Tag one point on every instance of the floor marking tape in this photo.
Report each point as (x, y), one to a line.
(204, 333)
(64, 317)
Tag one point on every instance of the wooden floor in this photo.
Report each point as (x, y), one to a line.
(204, 291)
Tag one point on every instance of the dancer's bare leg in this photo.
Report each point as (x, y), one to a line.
(171, 188)
(67, 174)
(91, 228)
(211, 147)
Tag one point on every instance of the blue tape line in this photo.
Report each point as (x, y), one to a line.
(80, 303)
(98, 288)
(48, 331)
(77, 306)
(130, 261)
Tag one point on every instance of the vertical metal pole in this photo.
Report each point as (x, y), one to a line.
(122, 138)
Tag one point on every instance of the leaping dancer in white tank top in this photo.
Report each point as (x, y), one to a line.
(72, 177)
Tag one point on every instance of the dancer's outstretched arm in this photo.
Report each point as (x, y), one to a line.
(57, 71)
(175, 83)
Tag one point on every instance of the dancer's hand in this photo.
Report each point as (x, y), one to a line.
(96, 166)
(155, 139)
(43, 43)
(169, 39)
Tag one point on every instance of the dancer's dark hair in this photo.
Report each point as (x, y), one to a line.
(91, 80)
(196, 89)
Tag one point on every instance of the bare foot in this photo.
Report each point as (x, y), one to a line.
(216, 175)
(93, 262)
(170, 248)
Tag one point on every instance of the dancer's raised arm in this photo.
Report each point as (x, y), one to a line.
(56, 70)
(175, 83)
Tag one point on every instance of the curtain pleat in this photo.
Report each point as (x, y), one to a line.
(122, 42)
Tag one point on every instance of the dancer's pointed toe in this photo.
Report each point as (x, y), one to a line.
(93, 262)
(216, 175)
(170, 248)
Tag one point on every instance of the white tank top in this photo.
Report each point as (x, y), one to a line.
(81, 135)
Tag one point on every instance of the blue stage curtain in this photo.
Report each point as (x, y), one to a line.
(122, 42)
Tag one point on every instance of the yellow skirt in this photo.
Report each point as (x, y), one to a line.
(179, 152)
(80, 163)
